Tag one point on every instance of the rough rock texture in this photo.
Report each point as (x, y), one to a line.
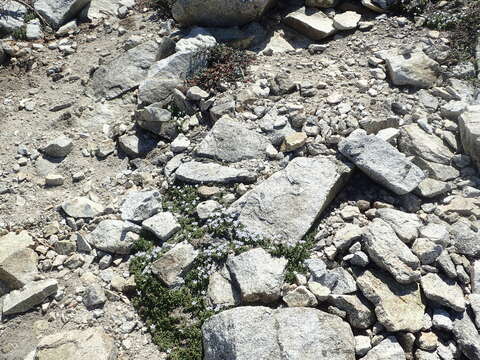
(157, 120)
(18, 262)
(261, 333)
(388, 349)
(467, 336)
(382, 162)
(358, 310)
(310, 22)
(405, 225)
(140, 205)
(82, 207)
(229, 140)
(217, 12)
(203, 173)
(415, 69)
(92, 343)
(172, 265)
(443, 291)
(59, 12)
(390, 253)
(469, 124)
(12, 16)
(32, 294)
(114, 236)
(305, 186)
(110, 83)
(164, 225)
(258, 276)
(384, 292)
(465, 239)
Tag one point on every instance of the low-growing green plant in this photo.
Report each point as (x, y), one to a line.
(223, 65)
(20, 33)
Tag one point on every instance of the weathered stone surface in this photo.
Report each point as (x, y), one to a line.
(430, 188)
(257, 275)
(157, 120)
(198, 38)
(220, 290)
(82, 207)
(217, 13)
(467, 336)
(416, 142)
(140, 205)
(404, 224)
(310, 22)
(469, 125)
(306, 186)
(137, 145)
(125, 72)
(398, 307)
(346, 21)
(59, 147)
(261, 333)
(390, 253)
(32, 294)
(382, 162)
(359, 314)
(92, 343)
(388, 349)
(465, 239)
(229, 140)
(94, 296)
(59, 12)
(300, 297)
(164, 225)
(172, 265)
(338, 280)
(12, 16)
(114, 236)
(18, 262)
(427, 251)
(210, 173)
(415, 69)
(474, 300)
(443, 291)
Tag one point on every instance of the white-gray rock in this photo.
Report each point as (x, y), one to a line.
(59, 12)
(194, 172)
(229, 140)
(207, 208)
(310, 22)
(415, 69)
(32, 294)
(359, 314)
(157, 120)
(390, 253)
(198, 38)
(114, 236)
(427, 251)
(164, 225)
(469, 124)
(140, 205)
(172, 266)
(388, 349)
(12, 16)
(300, 297)
(382, 162)
(247, 333)
(404, 224)
(82, 207)
(467, 336)
(465, 239)
(218, 13)
(385, 293)
(306, 186)
(220, 289)
(137, 145)
(258, 276)
(443, 291)
(347, 20)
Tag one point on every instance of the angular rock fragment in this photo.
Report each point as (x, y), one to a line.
(92, 343)
(246, 333)
(390, 253)
(469, 124)
(82, 207)
(172, 265)
(137, 145)
(310, 22)
(398, 307)
(465, 239)
(32, 294)
(157, 120)
(59, 147)
(405, 225)
(443, 291)
(140, 205)
(306, 186)
(258, 276)
(114, 236)
(210, 173)
(467, 336)
(163, 225)
(388, 349)
(12, 15)
(359, 314)
(382, 162)
(220, 289)
(59, 12)
(414, 69)
(300, 297)
(229, 140)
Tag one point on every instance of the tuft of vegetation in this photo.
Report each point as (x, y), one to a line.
(224, 65)
(174, 316)
(20, 33)
(163, 8)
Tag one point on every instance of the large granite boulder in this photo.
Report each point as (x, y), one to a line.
(59, 12)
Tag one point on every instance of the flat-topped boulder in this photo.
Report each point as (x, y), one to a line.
(306, 186)
(194, 172)
(469, 124)
(310, 22)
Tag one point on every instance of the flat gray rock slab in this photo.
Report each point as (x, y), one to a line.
(92, 343)
(164, 225)
(82, 207)
(388, 349)
(257, 275)
(59, 12)
(306, 186)
(405, 225)
(467, 336)
(140, 205)
(398, 307)
(310, 22)
(415, 69)
(114, 236)
(125, 72)
(465, 239)
(388, 252)
(443, 291)
(32, 294)
(381, 162)
(469, 124)
(247, 333)
(210, 173)
(230, 141)
(172, 265)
